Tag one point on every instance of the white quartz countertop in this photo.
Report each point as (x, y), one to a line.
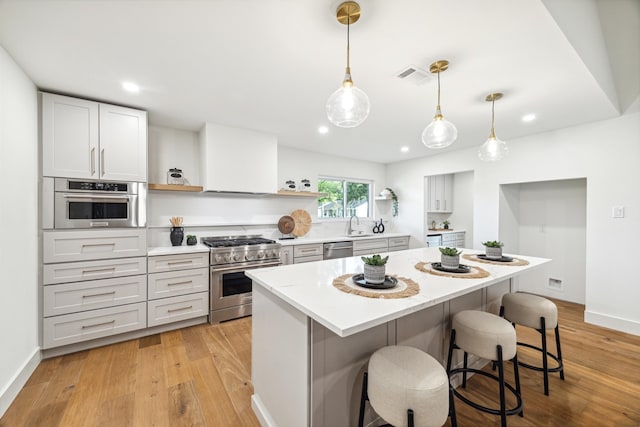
(174, 250)
(310, 240)
(309, 288)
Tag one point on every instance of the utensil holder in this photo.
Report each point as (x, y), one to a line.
(176, 236)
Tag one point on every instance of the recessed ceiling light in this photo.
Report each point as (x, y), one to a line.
(323, 129)
(404, 149)
(130, 87)
(528, 117)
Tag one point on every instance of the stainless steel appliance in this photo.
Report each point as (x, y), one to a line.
(434, 240)
(230, 257)
(335, 250)
(91, 204)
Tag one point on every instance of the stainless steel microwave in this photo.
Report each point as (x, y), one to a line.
(96, 204)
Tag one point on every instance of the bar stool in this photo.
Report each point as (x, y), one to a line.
(407, 387)
(539, 313)
(489, 337)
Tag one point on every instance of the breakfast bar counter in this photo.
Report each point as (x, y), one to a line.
(311, 340)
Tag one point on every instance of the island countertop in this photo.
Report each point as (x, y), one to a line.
(309, 288)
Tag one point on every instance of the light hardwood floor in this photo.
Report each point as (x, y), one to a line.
(200, 376)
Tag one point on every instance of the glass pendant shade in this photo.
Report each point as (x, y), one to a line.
(348, 106)
(439, 133)
(493, 150)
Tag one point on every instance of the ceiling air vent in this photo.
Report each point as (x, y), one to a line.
(415, 75)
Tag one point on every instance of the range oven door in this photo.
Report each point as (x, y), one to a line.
(231, 291)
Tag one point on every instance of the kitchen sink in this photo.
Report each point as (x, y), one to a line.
(359, 234)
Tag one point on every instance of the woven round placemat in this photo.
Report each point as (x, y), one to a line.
(475, 273)
(405, 288)
(516, 261)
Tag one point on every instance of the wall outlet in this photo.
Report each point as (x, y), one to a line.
(617, 212)
(555, 284)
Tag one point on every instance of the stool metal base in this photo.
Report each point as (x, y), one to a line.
(503, 412)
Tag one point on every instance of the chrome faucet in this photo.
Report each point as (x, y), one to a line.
(351, 230)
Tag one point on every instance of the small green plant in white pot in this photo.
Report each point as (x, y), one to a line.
(449, 258)
(493, 249)
(374, 268)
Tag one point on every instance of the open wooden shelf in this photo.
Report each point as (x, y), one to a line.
(173, 187)
(300, 193)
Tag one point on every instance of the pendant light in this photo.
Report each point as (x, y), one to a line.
(348, 106)
(493, 149)
(440, 133)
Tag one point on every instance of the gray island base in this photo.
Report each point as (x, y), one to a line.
(311, 342)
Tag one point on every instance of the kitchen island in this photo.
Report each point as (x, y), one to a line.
(311, 341)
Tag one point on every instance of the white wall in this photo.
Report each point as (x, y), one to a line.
(18, 214)
(606, 153)
(208, 214)
(551, 223)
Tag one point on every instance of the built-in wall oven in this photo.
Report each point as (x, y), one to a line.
(98, 204)
(230, 256)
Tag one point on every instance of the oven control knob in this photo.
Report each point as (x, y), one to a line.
(249, 256)
(226, 257)
(260, 255)
(217, 258)
(237, 257)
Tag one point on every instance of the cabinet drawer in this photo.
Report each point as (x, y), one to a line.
(398, 248)
(82, 296)
(372, 245)
(302, 259)
(88, 325)
(449, 239)
(173, 309)
(398, 241)
(173, 283)
(91, 270)
(64, 246)
(307, 250)
(162, 263)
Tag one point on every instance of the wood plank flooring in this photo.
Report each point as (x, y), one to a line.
(200, 376)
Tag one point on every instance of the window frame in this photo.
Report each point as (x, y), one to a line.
(345, 181)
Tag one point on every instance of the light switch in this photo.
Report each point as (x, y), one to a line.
(618, 212)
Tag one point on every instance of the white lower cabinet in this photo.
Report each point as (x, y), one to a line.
(398, 243)
(370, 246)
(176, 290)
(89, 270)
(173, 309)
(92, 324)
(307, 253)
(85, 245)
(82, 296)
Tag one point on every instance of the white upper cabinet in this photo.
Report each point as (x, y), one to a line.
(238, 160)
(91, 140)
(441, 193)
(123, 143)
(69, 137)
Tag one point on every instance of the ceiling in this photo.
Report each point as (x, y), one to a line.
(270, 65)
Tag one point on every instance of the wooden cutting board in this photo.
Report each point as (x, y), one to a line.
(286, 224)
(302, 221)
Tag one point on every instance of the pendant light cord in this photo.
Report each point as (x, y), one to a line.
(492, 134)
(438, 90)
(348, 27)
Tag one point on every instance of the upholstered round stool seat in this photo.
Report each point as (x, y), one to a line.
(402, 378)
(479, 332)
(527, 309)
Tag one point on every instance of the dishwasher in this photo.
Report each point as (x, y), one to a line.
(335, 250)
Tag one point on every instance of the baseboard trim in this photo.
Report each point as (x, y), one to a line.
(264, 418)
(11, 390)
(612, 322)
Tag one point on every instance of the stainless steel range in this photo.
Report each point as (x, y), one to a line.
(230, 257)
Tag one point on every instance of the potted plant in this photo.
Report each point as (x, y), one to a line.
(493, 249)
(446, 224)
(374, 268)
(191, 239)
(449, 258)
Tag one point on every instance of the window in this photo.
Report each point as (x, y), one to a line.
(344, 198)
